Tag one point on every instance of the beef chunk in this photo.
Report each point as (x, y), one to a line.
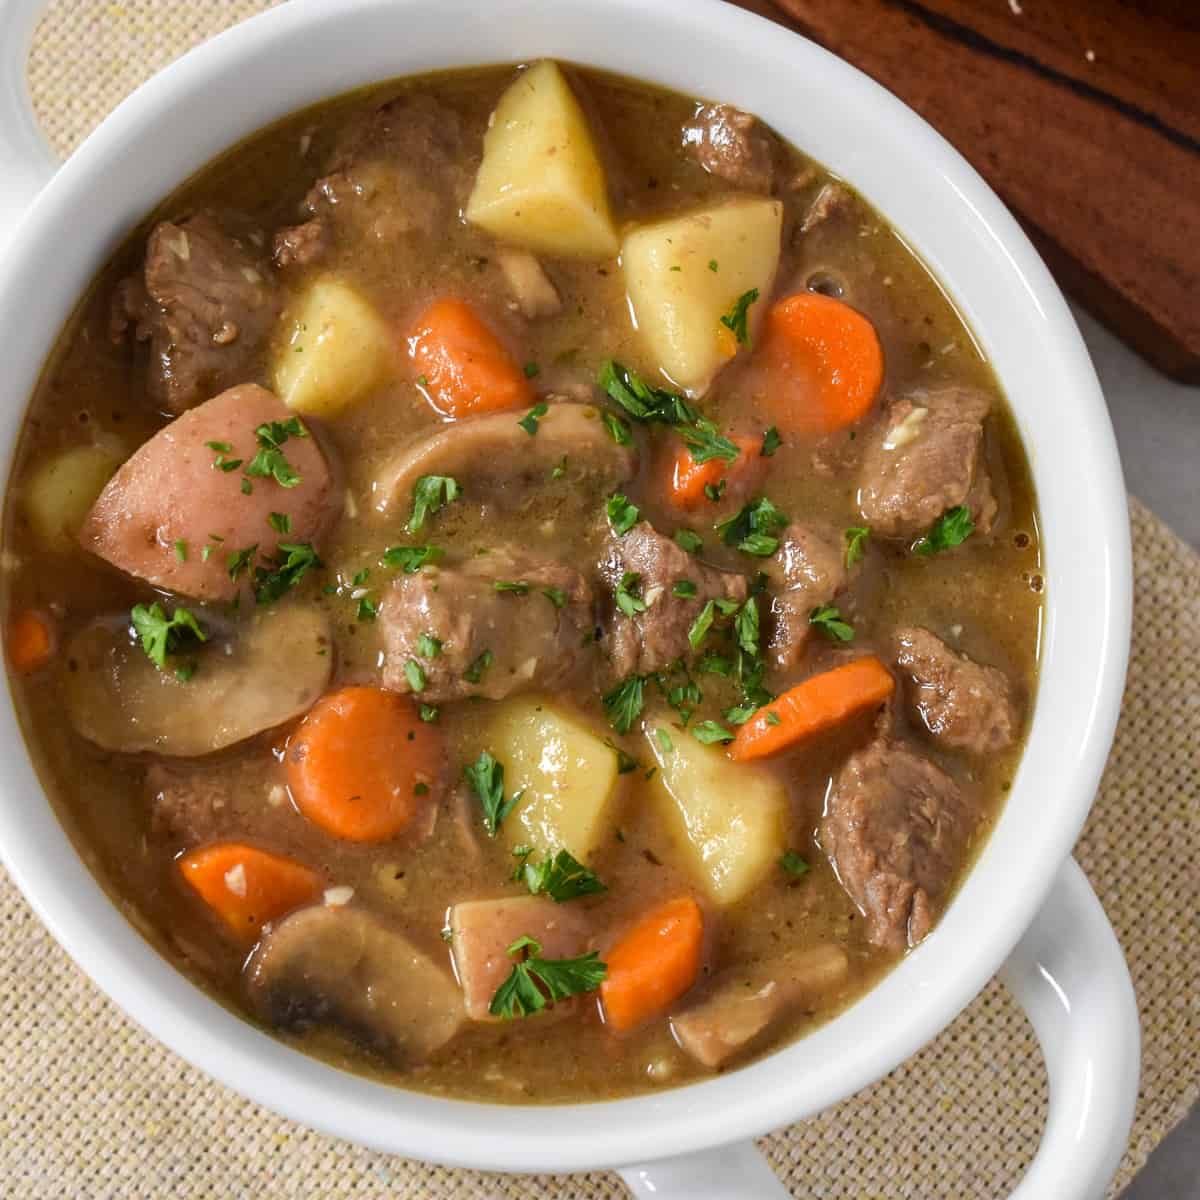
(830, 201)
(205, 302)
(926, 456)
(397, 170)
(896, 829)
(808, 570)
(963, 704)
(650, 640)
(192, 804)
(301, 245)
(732, 145)
(532, 640)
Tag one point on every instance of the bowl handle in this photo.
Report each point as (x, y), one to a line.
(26, 159)
(1068, 974)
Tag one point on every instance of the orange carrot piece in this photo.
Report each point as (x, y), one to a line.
(362, 764)
(247, 887)
(653, 964)
(463, 367)
(689, 478)
(823, 361)
(817, 704)
(31, 641)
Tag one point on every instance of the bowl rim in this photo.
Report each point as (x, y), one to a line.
(701, 46)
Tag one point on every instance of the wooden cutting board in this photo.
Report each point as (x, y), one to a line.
(1084, 115)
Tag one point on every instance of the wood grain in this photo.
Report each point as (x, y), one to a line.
(1084, 115)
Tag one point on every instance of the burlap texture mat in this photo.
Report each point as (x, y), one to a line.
(90, 1108)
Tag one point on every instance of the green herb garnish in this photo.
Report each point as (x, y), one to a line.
(486, 776)
(618, 429)
(685, 589)
(536, 981)
(411, 558)
(270, 462)
(736, 319)
(952, 528)
(856, 542)
(529, 422)
(625, 702)
(701, 625)
(293, 560)
(622, 515)
(754, 528)
(628, 596)
(431, 493)
(415, 674)
(771, 442)
(475, 670)
(709, 732)
(828, 620)
(685, 539)
(161, 635)
(280, 522)
(793, 864)
(562, 877)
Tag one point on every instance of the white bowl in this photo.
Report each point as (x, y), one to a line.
(1067, 971)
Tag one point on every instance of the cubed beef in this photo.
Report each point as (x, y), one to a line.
(650, 640)
(493, 642)
(896, 829)
(808, 570)
(301, 245)
(481, 932)
(397, 170)
(732, 145)
(205, 301)
(925, 457)
(168, 516)
(832, 200)
(963, 704)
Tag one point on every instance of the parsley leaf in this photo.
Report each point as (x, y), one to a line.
(714, 491)
(828, 620)
(280, 522)
(415, 674)
(529, 422)
(477, 667)
(532, 371)
(428, 646)
(161, 635)
(562, 878)
(771, 442)
(641, 401)
(411, 558)
(704, 443)
(625, 702)
(952, 528)
(270, 461)
(752, 530)
(518, 587)
(685, 539)
(745, 626)
(737, 318)
(664, 740)
(856, 538)
(701, 625)
(556, 596)
(685, 589)
(239, 561)
(628, 599)
(428, 712)
(618, 429)
(181, 550)
(486, 776)
(711, 731)
(538, 981)
(793, 864)
(430, 494)
(625, 762)
(368, 610)
(291, 563)
(622, 515)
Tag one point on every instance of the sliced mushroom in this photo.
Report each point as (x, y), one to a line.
(259, 676)
(343, 967)
(498, 460)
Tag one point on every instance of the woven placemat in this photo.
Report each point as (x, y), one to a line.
(91, 1109)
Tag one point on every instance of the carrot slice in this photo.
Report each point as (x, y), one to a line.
(823, 362)
(363, 765)
(247, 887)
(653, 964)
(689, 478)
(30, 641)
(463, 366)
(813, 706)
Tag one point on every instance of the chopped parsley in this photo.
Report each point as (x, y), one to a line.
(618, 429)
(247, 487)
(532, 370)
(715, 664)
(293, 560)
(270, 462)
(428, 646)
(239, 561)
(161, 635)
(518, 587)
(685, 589)
(745, 627)
(771, 442)
(475, 670)
(664, 740)
(714, 491)
(625, 762)
(712, 265)
(486, 776)
(415, 674)
(705, 443)
(625, 702)
(628, 597)
(221, 462)
(411, 558)
(181, 550)
(641, 401)
(709, 732)
(828, 619)
(736, 320)
(754, 528)
(561, 877)
(280, 522)
(856, 540)
(793, 864)
(622, 514)
(952, 528)
(701, 625)
(559, 471)
(360, 577)
(529, 422)
(368, 610)
(536, 981)
(556, 596)
(685, 539)
(428, 712)
(431, 493)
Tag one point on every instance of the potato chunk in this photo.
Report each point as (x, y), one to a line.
(729, 816)
(541, 184)
(685, 272)
(567, 773)
(335, 350)
(63, 489)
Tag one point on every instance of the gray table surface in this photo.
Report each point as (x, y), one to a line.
(1158, 430)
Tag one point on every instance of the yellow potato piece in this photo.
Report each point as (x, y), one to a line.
(61, 492)
(335, 350)
(541, 184)
(684, 273)
(567, 773)
(730, 816)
